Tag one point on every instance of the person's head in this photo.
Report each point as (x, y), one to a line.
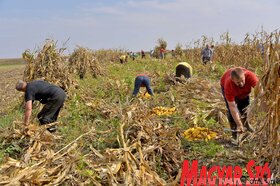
(21, 86)
(207, 46)
(238, 77)
(212, 46)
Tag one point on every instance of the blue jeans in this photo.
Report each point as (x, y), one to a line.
(142, 80)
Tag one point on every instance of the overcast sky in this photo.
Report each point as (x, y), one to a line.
(128, 24)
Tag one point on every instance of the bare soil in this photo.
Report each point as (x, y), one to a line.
(9, 75)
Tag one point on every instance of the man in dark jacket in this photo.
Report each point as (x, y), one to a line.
(50, 95)
(206, 54)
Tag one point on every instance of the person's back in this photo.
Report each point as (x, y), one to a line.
(123, 58)
(236, 85)
(184, 69)
(42, 91)
(50, 95)
(231, 90)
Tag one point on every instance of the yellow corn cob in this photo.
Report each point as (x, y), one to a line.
(199, 133)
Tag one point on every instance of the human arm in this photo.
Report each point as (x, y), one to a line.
(235, 114)
(28, 111)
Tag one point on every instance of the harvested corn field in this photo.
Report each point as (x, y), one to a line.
(11, 70)
(106, 136)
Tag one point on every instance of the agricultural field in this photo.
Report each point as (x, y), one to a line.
(107, 137)
(11, 70)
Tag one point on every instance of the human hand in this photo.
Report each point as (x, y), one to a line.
(25, 129)
(240, 129)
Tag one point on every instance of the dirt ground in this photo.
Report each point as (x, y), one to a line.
(9, 75)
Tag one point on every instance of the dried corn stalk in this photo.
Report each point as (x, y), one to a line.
(110, 55)
(249, 53)
(143, 148)
(48, 64)
(265, 113)
(40, 165)
(82, 60)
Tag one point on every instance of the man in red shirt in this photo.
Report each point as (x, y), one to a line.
(236, 86)
(161, 52)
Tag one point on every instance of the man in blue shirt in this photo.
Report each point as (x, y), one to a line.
(206, 54)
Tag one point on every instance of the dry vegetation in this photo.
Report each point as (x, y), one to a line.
(49, 64)
(265, 112)
(82, 60)
(107, 138)
(11, 70)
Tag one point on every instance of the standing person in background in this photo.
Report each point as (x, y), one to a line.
(142, 54)
(236, 84)
(161, 53)
(142, 80)
(50, 95)
(206, 54)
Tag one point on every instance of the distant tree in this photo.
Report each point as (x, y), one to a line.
(161, 43)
